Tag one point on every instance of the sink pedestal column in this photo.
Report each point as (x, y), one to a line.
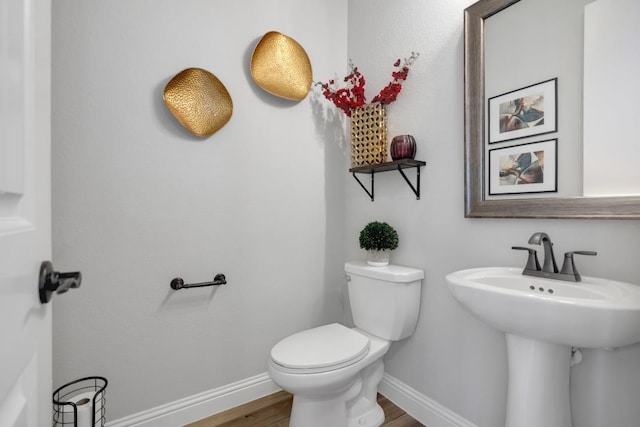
(538, 392)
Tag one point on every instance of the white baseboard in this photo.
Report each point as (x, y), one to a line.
(201, 405)
(419, 406)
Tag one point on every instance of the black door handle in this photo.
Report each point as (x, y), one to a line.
(51, 281)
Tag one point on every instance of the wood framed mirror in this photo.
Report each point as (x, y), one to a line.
(477, 204)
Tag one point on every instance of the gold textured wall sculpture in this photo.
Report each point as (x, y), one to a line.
(368, 135)
(199, 101)
(280, 66)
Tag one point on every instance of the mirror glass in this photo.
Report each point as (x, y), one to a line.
(550, 109)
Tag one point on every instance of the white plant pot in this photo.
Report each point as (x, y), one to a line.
(378, 258)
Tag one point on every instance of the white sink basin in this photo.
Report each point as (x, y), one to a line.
(543, 319)
(595, 313)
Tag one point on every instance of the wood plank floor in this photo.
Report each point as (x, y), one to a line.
(274, 410)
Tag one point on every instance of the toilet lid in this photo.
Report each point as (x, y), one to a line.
(321, 349)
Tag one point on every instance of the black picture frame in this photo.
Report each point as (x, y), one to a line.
(524, 168)
(529, 111)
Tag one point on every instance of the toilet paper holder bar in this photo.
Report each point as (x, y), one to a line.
(178, 283)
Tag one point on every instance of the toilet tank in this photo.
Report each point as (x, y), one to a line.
(385, 301)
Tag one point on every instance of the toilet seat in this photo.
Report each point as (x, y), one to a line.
(320, 349)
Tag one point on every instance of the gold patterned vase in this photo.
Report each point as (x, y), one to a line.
(368, 135)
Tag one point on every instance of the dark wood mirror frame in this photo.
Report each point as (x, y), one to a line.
(476, 205)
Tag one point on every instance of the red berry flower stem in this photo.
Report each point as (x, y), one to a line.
(353, 96)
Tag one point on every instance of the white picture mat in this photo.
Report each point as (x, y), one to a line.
(550, 168)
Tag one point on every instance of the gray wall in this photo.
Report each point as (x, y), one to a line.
(139, 201)
(267, 201)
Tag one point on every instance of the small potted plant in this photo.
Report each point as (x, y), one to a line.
(378, 238)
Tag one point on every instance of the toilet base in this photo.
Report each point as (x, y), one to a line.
(317, 413)
(314, 413)
(363, 409)
(356, 406)
(373, 418)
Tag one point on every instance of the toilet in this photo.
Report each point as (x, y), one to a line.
(333, 371)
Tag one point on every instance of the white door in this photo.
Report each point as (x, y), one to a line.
(25, 218)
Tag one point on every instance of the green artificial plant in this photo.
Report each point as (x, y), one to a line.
(378, 236)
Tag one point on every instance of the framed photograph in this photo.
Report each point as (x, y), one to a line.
(524, 168)
(525, 112)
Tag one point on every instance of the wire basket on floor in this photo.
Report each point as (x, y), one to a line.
(80, 403)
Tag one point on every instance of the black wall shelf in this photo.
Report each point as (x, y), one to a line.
(398, 165)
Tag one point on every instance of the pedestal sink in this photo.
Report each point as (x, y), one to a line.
(543, 320)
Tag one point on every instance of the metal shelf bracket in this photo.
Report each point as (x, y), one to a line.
(370, 193)
(398, 165)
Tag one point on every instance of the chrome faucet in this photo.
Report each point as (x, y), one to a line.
(549, 268)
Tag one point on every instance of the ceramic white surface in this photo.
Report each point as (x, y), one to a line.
(384, 301)
(594, 313)
(338, 387)
(543, 319)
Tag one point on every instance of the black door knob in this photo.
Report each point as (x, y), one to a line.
(51, 281)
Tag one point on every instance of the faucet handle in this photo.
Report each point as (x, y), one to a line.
(532, 259)
(569, 267)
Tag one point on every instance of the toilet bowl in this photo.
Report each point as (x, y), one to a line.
(333, 371)
(338, 388)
